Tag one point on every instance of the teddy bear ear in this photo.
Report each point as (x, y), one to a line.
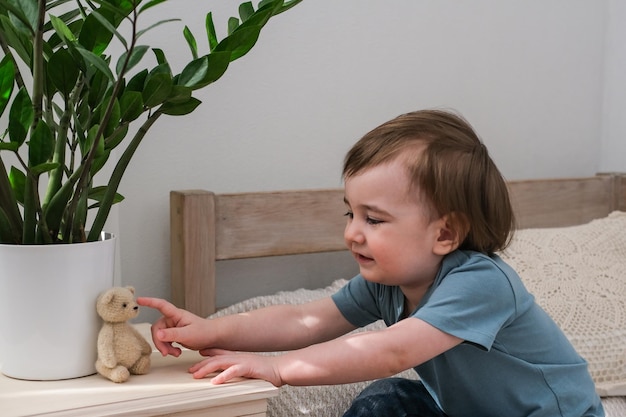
(106, 297)
(131, 289)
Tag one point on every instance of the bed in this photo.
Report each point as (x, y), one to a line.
(569, 248)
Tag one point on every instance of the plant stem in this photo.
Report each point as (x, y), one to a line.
(32, 207)
(87, 163)
(116, 177)
(38, 60)
(9, 205)
(56, 176)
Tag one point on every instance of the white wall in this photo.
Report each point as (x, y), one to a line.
(613, 157)
(529, 75)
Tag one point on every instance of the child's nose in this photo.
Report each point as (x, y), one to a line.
(352, 233)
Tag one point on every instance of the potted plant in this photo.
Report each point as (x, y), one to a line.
(72, 111)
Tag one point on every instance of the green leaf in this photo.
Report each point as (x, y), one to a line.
(217, 63)
(80, 217)
(131, 106)
(194, 72)
(55, 209)
(9, 234)
(116, 10)
(40, 145)
(180, 109)
(106, 24)
(157, 89)
(245, 11)
(55, 40)
(67, 18)
(138, 81)
(161, 69)
(9, 205)
(93, 36)
(135, 57)
(99, 161)
(22, 13)
(98, 86)
(21, 116)
(210, 31)
(179, 94)
(117, 137)
(160, 56)
(240, 42)
(191, 41)
(18, 183)
(233, 24)
(285, 6)
(159, 23)
(268, 4)
(45, 167)
(260, 18)
(63, 71)
(61, 29)
(150, 4)
(114, 120)
(7, 81)
(21, 43)
(98, 63)
(49, 89)
(91, 137)
(97, 193)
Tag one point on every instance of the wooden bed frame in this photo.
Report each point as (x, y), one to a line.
(207, 227)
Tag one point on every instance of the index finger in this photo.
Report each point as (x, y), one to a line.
(165, 307)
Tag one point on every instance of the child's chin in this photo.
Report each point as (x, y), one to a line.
(368, 276)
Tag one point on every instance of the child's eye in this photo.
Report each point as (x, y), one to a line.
(368, 220)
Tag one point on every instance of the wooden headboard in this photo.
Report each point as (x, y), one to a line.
(207, 227)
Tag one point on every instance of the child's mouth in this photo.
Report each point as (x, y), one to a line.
(362, 258)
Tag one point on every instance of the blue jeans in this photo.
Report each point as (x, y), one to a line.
(394, 397)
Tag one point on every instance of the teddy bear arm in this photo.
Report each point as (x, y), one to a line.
(146, 349)
(106, 350)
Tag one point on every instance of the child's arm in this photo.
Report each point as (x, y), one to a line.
(358, 357)
(274, 328)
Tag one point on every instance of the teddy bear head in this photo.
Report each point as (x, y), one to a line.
(117, 304)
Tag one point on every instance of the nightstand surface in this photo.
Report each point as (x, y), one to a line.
(167, 390)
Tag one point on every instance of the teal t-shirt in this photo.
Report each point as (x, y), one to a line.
(514, 361)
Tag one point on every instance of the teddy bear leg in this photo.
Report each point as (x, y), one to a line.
(142, 366)
(117, 374)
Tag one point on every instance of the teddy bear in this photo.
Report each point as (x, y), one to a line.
(122, 350)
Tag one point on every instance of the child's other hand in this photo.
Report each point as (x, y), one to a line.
(234, 365)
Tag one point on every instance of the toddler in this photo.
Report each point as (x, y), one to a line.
(426, 211)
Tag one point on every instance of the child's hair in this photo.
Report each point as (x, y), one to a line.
(451, 167)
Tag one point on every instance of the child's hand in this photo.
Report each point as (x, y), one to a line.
(233, 365)
(176, 325)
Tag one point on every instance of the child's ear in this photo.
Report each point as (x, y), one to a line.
(449, 238)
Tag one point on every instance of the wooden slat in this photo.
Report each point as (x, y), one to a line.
(192, 245)
(291, 222)
(620, 191)
(561, 202)
(279, 223)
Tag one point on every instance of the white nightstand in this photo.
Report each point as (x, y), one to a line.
(167, 390)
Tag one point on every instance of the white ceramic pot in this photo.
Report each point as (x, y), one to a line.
(48, 321)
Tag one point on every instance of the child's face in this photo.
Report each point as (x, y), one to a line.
(390, 232)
